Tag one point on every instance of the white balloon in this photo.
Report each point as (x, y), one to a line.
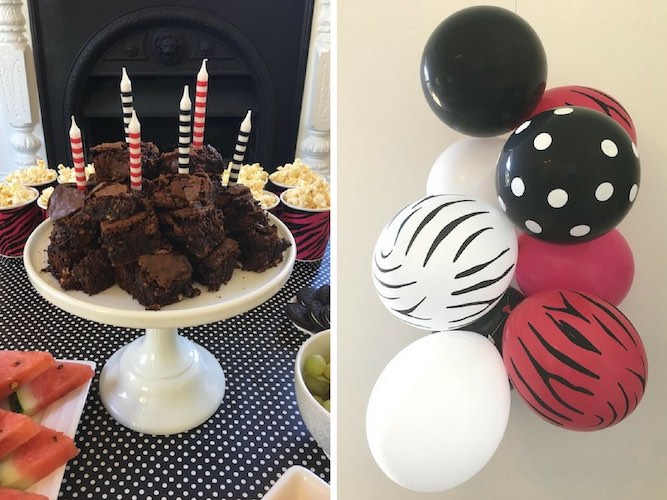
(438, 411)
(444, 261)
(467, 167)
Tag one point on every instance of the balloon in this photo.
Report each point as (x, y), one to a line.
(467, 167)
(587, 97)
(483, 71)
(603, 266)
(491, 325)
(568, 175)
(444, 261)
(575, 359)
(438, 411)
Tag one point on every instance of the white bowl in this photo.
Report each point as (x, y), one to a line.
(316, 418)
(296, 483)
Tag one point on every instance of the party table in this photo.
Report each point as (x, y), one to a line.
(255, 435)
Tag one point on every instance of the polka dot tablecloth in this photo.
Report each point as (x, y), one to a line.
(240, 452)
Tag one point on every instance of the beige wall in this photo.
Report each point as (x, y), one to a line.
(387, 140)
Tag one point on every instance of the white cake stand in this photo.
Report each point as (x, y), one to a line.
(161, 383)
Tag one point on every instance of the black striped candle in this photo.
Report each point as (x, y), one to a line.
(184, 133)
(239, 150)
(127, 101)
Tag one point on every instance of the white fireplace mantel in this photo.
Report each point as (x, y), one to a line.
(21, 136)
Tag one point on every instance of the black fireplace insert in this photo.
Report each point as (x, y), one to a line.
(257, 53)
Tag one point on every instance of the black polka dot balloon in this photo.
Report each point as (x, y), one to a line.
(568, 175)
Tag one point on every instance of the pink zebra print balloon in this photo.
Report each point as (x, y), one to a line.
(16, 224)
(310, 228)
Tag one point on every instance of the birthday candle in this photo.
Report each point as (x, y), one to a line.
(76, 145)
(239, 150)
(134, 135)
(184, 133)
(201, 93)
(127, 101)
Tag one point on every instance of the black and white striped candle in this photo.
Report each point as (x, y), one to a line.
(127, 101)
(239, 150)
(184, 133)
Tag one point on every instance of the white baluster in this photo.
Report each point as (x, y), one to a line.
(17, 90)
(314, 130)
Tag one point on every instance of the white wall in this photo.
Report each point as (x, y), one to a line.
(387, 140)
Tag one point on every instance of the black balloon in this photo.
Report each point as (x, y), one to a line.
(483, 71)
(492, 323)
(568, 175)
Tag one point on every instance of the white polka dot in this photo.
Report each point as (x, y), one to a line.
(581, 230)
(522, 127)
(635, 150)
(557, 198)
(517, 186)
(609, 148)
(533, 226)
(604, 191)
(542, 141)
(633, 192)
(563, 111)
(502, 204)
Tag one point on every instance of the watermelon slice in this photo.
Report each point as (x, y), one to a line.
(11, 494)
(36, 459)
(19, 367)
(15, 430)
(50, 386)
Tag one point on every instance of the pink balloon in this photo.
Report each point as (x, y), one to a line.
(604, 266)
(587, 97)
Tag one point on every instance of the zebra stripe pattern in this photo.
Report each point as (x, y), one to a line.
(575, 359)
(201, 93)
(444, 261)
(184, 133)
(240, 149)
(310, 229)
(127, 101)
(16, 224)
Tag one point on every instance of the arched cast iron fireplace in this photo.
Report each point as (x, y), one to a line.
(256, 51)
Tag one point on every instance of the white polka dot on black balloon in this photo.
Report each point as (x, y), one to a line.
(256, 434)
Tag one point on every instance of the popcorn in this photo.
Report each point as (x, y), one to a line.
(255, 178)
(14, 193)
(67, 174)
(313, 195)
(292, 174)
(266, 199)
(34, 174)
(43, 200)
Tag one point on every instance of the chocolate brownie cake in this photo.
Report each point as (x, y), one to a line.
(205, 159)
(112, 161)
(64, 200)
(157, 242)
(157, 279)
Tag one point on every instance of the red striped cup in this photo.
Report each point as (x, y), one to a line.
(16, 224)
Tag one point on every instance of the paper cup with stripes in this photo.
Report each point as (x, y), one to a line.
(16, 224)
(310, 228)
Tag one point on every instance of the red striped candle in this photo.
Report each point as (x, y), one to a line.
(200, 107)
(134, 134)
(76, 145)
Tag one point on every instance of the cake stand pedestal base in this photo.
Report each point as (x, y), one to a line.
(162, 383)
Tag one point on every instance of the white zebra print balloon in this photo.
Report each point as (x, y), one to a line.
(444, 261)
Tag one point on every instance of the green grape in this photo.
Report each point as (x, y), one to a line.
(315, 365)
(319, 399)
(327, 405)
(327, 371)
(318, 386)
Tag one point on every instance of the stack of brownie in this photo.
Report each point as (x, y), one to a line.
(157, 242)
